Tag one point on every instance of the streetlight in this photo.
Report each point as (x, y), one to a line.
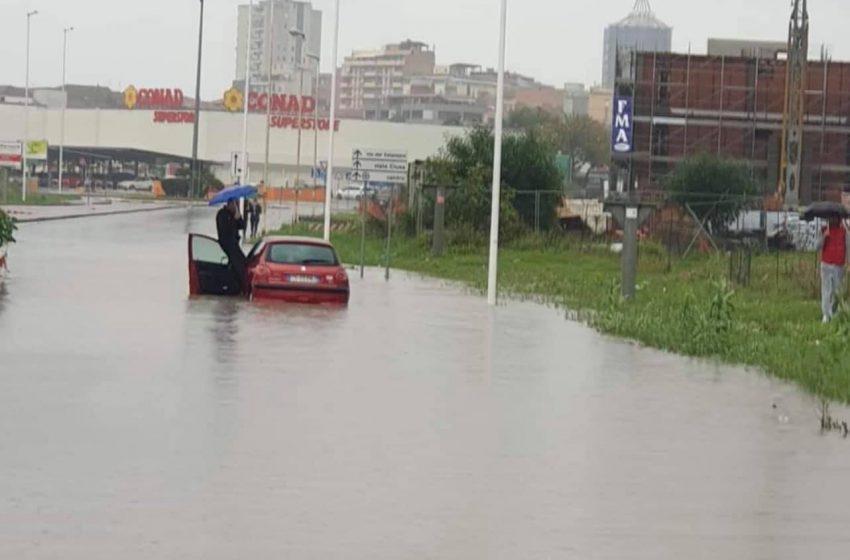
(497, 162)
(196, 175)
(243, 173)
(330, 173)
(270, 31)
(315, 58)
(298, 34)
(64, 104)
(26, 111)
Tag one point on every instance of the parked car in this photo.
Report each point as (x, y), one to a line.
(355, 192)
(137, 184)
(292, 269)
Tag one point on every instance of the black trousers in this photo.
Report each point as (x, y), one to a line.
(238, 262)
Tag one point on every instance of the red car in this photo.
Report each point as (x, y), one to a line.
(293, 269)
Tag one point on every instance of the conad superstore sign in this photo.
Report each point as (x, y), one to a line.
(11, 154)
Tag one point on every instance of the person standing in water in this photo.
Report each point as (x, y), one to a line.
(229, 223)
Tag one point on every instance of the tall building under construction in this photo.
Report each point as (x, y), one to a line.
(738, 107)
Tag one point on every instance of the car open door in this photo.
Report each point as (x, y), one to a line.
(209, 268)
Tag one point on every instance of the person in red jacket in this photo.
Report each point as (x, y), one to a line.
(835, 245)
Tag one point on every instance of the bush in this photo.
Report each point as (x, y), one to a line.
(717, 190)
(7, 228)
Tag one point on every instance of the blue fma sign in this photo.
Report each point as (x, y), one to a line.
(622, 131)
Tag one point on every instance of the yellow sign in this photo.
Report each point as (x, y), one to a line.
(233, 100)
(37, 149)
(131, 95)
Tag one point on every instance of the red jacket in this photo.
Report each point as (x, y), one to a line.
(835, 246)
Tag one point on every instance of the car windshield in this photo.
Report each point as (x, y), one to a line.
(301, 253)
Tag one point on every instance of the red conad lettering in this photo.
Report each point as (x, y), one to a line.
(308, 104)
(178, 97)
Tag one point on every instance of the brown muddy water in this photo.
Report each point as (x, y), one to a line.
(417, 423)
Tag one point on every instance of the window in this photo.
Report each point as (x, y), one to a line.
(301, 253)
(207, 250)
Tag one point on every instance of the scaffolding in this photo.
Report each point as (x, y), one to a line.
(734, 107)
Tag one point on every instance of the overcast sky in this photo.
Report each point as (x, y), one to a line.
(152, 43)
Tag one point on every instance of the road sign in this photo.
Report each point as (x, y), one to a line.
(381, 166)
(11, 154)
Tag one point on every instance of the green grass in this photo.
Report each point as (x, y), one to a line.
(13, 198)
(685, 307)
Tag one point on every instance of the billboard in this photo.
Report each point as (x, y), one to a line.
(37, 149)
(10, 154)
(622, 127)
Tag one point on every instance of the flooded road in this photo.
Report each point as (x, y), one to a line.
(416, 424)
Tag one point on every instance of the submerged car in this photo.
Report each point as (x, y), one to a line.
(293, 269)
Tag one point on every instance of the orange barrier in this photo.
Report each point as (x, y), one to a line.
(278, 194)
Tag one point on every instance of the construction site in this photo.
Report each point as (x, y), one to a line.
(781, 114)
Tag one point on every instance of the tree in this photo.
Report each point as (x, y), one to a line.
(715, 189)
(528, 118)
(584, 140)
(528, 164)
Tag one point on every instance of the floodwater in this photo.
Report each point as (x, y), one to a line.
(136, 423)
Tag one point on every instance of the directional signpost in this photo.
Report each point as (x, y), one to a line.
(380, 166)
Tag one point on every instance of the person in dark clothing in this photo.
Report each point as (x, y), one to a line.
(256, 212)
(228, 223)
(247, 220)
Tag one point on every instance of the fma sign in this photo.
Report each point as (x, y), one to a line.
(622, 131)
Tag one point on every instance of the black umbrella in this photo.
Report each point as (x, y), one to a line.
(826, 210)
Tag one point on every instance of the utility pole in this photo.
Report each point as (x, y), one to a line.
(315, 58)
(26, 112)
(792, 124)
(298, 34)
(64, 105)
(196, 175)
(270, 31)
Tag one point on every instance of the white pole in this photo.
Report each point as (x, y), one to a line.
(270, 50)
(26, 111)
(64, 104)
(243, 174)
(330, 174)
(497, 162)
(316, 125)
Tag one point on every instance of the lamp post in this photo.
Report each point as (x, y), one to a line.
(64, 105)
(196, 172)
(497, 162)
(270, 31)
(243, 172)
(315, 58)
(330, 173)
(26, 111)
(298, 34)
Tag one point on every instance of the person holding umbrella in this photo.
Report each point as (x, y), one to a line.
(834, 245)
(229, 222)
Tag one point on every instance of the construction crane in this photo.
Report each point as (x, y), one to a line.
(792, 121)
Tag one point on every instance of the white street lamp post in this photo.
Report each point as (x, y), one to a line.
(243, 173)
(497, 162)
(26, 111)
(317, 60)
(298, 34)
(64, 105)
(330, 174)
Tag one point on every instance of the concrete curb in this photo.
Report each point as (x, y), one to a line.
(96, 215)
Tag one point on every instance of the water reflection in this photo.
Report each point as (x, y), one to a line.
(416, 423)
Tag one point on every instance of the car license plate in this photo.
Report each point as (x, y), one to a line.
(302, 279)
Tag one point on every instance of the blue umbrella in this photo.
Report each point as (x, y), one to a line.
(233, 193)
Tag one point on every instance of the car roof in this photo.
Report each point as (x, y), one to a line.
(296, 239)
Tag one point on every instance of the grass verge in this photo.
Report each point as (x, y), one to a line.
(13, 198)
(686, 307)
